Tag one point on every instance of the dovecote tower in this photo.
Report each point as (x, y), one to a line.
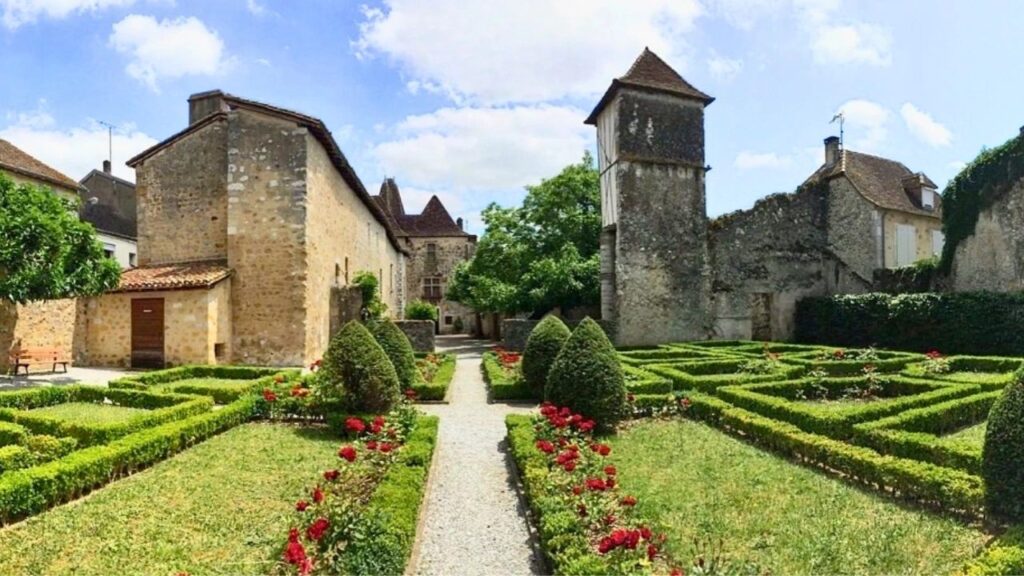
(650, 147)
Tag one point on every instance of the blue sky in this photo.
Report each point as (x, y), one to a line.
(474, 100)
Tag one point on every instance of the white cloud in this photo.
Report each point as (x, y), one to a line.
(856, 43)
(19, 12)
(867, 122)
(744, 14)
(168, 48)
(78, 150)
(958, 165)
(505, 51)
(725, 69)
(747, 160)
(255, 8)
(484, 148)
(924, 127)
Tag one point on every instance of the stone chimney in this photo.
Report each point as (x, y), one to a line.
(831, 149)
(460, 223)
(204, 104)
(106, 166)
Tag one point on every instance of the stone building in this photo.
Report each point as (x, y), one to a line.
(51, 323)
(436, 244)
(108, 203)
(668, 273)
(251, 224)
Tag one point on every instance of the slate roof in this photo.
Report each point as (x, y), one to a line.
(114, 210)
(649, 72)
(880, 181)
(16, 160)
(173, 276)
(434, 221)
(314, 125)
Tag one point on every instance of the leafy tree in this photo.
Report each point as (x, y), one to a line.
(46, 252)
(541, 255)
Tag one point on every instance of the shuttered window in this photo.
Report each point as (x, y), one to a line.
(906, 245)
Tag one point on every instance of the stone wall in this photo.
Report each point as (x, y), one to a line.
(515, 332)
(183, 201)
(195, 321)
(419, 332)
(40, 324)
(993, 257)
(854, 233)
(341, 234)
(423, 262)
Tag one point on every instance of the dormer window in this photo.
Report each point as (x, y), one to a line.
(928, 198)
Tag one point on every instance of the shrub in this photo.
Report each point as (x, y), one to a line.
(1002, 463)
(368, 284)
(543, 345)
(1004, 557)
(420, 310)
(356, 369)
(586, 376)
(396, 345)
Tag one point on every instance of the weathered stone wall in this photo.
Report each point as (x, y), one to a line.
(448, 252)
(266, 181)
(854, 228)
(993, 257)
(515, 332)
(183, 200)
(340, 228)
(194, 322)
(41, 324)
(419, 332)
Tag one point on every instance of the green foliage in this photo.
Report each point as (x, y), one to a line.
(541, 255)
(396, 345)
(984, 180)
(46, 252)
(420, 310)
(1002, 462)
(443, 370)
(587, 377)
(955, 323)
(357, 370)
(369, 285)
(503, 385)
(1004, 557)
(543, 345)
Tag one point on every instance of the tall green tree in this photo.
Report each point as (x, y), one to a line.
(541, 255)
(46, 252)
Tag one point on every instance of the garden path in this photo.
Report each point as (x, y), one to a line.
(474, 521)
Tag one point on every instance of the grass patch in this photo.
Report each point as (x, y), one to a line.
(698, 483)
(219, 508)
(89, 413)
(973, 435)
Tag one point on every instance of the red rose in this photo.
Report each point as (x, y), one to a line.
(269, 395)
(645, 532)
(610, 483)
(629, 501)
(331, 475)
(587, 425)
(606, 545)
(596, 484)
(348, 453)
(410, 394)
(386, 447)
(318, 495)
(545, 446)
(316, 529)
(610, 470)
(652, 551)
(569, 466)
(355, 425)
(379, 421)
(301, 505)
(677, 572)
(577, 490)
(371, 445)
(293, 535)
(294, 553)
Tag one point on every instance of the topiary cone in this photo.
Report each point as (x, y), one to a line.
(542, 347)
(356, 365)
(587, 377)
(1002, 463)
(396, 345)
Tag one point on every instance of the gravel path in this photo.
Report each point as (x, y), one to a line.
(474, 521)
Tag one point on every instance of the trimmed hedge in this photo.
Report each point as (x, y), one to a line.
(708, 376)
(501, 386)
(384, 543)
(956, 323)
(989, 372)
(221, 394)
(15, 457)
(886, 362)
(26, 492)
(1004, 557)
(11, 433)
(143, 380)
(356, 369)
(640, 381)
(542, 347)
(587, 378)
(1002, 463)
(437, 389)
(398, 349)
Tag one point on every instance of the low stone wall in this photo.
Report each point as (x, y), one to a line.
(419, 332)
(516, 331)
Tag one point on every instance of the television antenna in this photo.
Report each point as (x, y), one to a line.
(110, 141)
(842, 120)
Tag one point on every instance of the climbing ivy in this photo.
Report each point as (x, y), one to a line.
(974, 189)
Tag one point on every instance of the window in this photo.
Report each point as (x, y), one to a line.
(906, 245)
(928, 198)
(131, 259)
(108, 249)
(938, 241)
(432, 288)
(431, 250)
(449, 320)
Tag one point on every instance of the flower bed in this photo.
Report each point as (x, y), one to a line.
(437, 371)
(224, 384)
(504, 377)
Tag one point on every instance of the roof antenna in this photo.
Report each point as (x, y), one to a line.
(842, 120)
(110, 141)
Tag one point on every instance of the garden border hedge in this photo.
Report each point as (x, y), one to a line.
(500, 386)
(437, 390)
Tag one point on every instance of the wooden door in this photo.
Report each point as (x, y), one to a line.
(148, 333)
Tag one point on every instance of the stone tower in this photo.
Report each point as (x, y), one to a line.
(654, 253)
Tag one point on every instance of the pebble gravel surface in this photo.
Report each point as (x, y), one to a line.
(474, 521)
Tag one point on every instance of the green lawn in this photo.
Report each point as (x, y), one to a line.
(222, 507)
(212, 383)
(974, 435)
(698, 483)
(89, 413)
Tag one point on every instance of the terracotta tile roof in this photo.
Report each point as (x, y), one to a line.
(650, 72)
(173, 276)
(16, 160)
(433, 221)
(880, 181)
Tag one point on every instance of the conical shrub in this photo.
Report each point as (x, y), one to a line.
(1002, 463)
(356, 368)
(587, 377)
(542, 347)
(399, 350)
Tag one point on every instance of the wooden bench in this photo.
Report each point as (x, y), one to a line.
(38, 356)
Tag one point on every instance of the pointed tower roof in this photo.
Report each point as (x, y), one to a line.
(391, 197)
(649, 72)
(436, 221)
